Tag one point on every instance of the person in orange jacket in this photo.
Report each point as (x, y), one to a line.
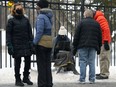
(104, 57)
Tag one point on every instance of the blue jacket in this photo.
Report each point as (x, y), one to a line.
(43, 24)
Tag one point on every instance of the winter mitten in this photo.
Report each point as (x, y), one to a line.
(32, 47)
(10, 49)
(74, 51)
(98, 52)
(106, 45)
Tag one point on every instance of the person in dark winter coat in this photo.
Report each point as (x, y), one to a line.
(62, 52)
(19, 41)
(87, 40)
(43, 43)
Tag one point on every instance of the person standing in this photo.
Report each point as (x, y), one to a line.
(19, 39)
(87, 40)
(43, 43)
(104, 57)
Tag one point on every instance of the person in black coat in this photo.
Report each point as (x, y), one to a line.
(19, 41)
(87, 40)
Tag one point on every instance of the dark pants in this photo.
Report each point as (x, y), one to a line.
(27, 60)
(44, 66)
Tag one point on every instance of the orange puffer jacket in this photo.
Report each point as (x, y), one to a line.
(100, 18)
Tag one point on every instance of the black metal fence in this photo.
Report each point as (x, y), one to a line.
(66, 12)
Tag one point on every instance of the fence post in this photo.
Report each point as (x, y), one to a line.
(0, 35)
(82, 7)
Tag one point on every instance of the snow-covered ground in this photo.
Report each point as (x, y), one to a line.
(7, 74)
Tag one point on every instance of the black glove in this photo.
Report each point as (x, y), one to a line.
(106, 45)
(74, 51)
(33, 50)
(10, 49)
(98, 52)
(32, 47)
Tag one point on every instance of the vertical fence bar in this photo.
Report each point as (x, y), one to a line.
(67, 15)
(82, 7)
(59, 15)
(5, 15)
(0, 35)
(115, 48)
(33, 6)
(0, 50)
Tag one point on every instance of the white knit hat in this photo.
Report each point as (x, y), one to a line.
(62, 31)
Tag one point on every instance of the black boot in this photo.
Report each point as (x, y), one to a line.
(74, 70)
(26, 79)
(18, 81)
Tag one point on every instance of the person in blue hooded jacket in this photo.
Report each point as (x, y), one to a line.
(43, 43)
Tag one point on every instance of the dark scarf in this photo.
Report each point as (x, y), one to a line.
(61, 38)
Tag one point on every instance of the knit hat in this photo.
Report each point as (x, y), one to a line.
(62, 31)
(43, 3)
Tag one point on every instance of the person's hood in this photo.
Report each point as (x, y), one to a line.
(46, 11)
(11, 16)
(98, 13)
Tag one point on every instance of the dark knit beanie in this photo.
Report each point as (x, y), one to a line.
(43, 3)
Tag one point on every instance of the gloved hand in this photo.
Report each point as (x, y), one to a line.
(106, 45)
(98, 52)
(74, 51)
(32, 47)
(33, 50)
(10, 49)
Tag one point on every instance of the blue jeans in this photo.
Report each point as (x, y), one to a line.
(87, 57)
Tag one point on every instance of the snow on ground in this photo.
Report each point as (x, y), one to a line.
(7, 74)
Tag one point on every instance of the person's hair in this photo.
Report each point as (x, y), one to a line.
(88, 13)
(43, 3)
(14, 7)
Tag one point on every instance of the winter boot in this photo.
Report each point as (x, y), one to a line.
(18, 81)
(74, 70)
(26, 79)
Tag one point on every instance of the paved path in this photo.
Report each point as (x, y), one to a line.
(60, 80)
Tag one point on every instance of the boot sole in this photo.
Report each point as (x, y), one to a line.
(27, 83)
(19, 85)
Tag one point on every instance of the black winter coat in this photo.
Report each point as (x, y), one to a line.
(56, 47)
(19, 34)
(88, 34)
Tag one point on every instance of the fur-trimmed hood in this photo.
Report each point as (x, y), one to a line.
(11, 16)
(46, 11)
(44, 24)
